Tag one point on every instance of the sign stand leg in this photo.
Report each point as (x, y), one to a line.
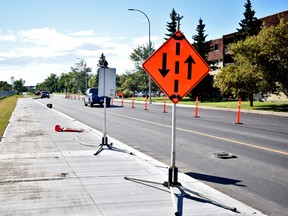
(173, 175)
(104, 138)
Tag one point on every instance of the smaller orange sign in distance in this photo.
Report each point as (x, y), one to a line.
(176, 67)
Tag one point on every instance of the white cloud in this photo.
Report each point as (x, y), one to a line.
(145, 40)
(48, 38)
(10, 38)
(83, 33)
(36, 53)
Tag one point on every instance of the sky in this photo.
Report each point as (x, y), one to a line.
(41, 37)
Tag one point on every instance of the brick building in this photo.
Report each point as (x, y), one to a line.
(219, 56)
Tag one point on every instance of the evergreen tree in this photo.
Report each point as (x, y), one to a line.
(205, 87)
(250, 25)
(200, 44)
(102, 61)
(171, 26)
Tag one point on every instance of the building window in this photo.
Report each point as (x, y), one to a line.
(216, 48)
(226, 49)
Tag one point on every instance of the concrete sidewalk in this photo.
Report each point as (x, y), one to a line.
(44, 172)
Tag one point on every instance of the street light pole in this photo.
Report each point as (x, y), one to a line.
(150, 100)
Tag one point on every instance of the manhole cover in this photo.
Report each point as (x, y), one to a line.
(224, 155)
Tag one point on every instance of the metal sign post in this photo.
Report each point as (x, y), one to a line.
(104, 138)
(173, 170)
(173, 145)
(176, 71)
(104, 141)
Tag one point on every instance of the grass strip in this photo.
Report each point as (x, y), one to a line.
(266, 105)
(7, 106)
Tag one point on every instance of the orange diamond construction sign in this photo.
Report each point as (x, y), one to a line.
(176, 67)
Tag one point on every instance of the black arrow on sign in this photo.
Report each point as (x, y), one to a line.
(164, 71)
(190, 61)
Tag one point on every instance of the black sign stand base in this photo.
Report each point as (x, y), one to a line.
(104, 143)
(173, 183)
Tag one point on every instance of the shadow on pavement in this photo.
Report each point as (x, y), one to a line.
(215, 179)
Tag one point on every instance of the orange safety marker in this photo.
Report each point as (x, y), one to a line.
(122, 103)
(238, 112)
(145, 104)
(164, 106)
(196, 109)
(132, 106)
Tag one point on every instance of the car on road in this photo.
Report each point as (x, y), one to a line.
(133, 93)
(143, 94)
(91, 98)
(45, 94)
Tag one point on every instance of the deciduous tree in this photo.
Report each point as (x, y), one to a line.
(4, 86)
(81, 76)
(19, 85)
(137, 80)
(273, 55)
(261, 64)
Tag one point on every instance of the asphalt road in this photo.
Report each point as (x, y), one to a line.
(257, 175)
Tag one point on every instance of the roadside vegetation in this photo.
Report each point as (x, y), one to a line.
(258, 53)
(245, 105)
(7, 106)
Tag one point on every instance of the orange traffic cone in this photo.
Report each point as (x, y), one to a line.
(238, 112)
(58, 128)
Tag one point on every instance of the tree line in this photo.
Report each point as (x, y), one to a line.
(259, 53)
